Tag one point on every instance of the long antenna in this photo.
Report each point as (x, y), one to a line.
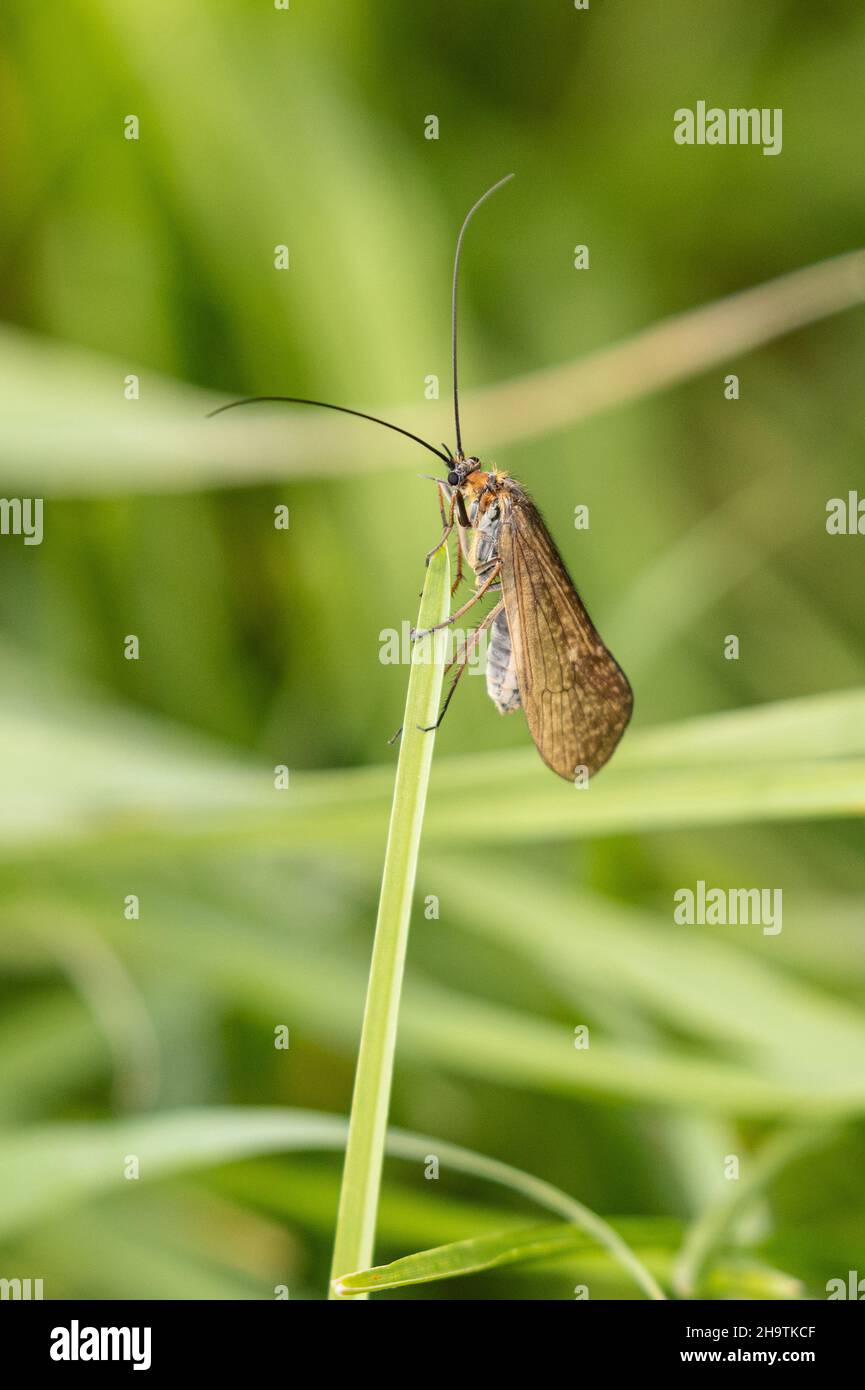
(468, 217)
(326, 405)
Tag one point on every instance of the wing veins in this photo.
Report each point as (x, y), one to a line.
(576, 699)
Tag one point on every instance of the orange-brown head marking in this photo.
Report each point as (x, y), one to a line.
(480, 483)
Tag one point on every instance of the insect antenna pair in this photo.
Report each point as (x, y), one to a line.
(545, 654)
(446, 454)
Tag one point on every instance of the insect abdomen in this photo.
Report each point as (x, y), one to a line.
(501, 670)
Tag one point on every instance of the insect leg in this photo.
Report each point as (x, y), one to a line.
(464, 554)
(459, 579)
(478, 594)
(472, 642)
(429, 728)
(448, 526)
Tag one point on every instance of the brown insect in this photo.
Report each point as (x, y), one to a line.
(545, 654)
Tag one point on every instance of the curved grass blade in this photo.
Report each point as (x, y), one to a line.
(738, 1277)
(52, 1167)
(80, 776)
(177, 449)
(478, 1038)
(712, 1227)
(469, 1257)
(791, 1028)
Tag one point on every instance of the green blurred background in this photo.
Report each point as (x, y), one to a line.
(261, 647)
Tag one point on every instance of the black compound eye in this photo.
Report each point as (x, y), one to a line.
(453, 478)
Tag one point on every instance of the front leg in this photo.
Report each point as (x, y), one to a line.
(447, 523)
(460, 576)
(479, 593)
(464, 554)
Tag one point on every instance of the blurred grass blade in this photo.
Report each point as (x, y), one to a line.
(673, 350)
(470, 1036)
(81, 774)
(34, 1185)
(166, 443)
(361, 1179)
(735, 1277)
(500, 1248)
(51, 1167)
(160, 1249)
(116, 1004)
(50, 1046)
(830, 725)
(741, 1277)
(707, 1234)
(790, 1027)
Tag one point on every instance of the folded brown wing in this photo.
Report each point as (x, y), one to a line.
(576, 698)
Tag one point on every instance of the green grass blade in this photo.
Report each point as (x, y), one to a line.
(544, 1194)
(793, 1029)
(33, 1185)
(465, 1035)
(736, 1277)
(83, 775)
(35, 1069)
(712, 1227)
(355, 1226)
(744, 1278)
(468, 1257)
(177, 448)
